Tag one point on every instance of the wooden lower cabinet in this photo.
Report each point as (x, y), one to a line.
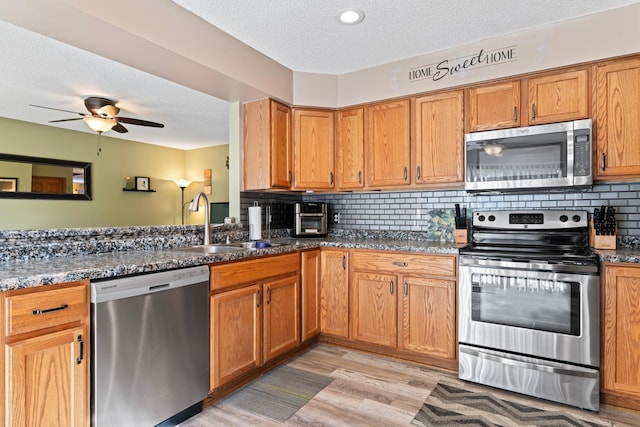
(255, 320)
(310, 294)
(620, 335)
(334, 300)
(405, 301)
(46, 356)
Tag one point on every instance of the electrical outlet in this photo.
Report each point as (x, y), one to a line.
(336, 217)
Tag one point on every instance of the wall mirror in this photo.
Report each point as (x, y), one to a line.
(25, 177)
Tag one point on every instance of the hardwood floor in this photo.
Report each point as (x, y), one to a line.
(370, 390)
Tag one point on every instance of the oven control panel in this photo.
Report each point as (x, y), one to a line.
(538, 220)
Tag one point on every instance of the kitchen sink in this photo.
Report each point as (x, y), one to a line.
(213, 249)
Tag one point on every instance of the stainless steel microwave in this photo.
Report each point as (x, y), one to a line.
(310, 219)
(553, 156)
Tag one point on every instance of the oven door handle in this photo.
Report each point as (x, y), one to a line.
(528, 365)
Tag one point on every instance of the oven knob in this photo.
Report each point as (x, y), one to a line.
(481, 218)
(564, 218)
(492, 218)
(576, 218)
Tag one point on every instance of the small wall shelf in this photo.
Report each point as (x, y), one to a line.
(140, 191)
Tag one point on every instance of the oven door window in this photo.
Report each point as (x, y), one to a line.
(311, 224)
(525, 302)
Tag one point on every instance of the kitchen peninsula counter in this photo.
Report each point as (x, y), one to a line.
(15, 274)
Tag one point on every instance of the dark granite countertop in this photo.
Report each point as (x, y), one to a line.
(38, 272)
(619, 255)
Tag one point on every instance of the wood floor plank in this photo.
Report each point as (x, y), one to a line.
(370, 390)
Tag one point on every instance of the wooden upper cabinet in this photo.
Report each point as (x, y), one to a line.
(438, 132)
(350, 149)
(494, 106)
(387, 135)
(617, 119)
(313, 149)
(266, 145)
(559, 97)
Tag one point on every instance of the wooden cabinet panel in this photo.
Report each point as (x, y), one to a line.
(281, 316)
(33, 309)
(232, 274)
(47, 382)
(559, 97)
(428, 314)
(266, 145)
(388, 154)
(310, 294)
(235, 333)
(621, 331)
(313, 149)
(494, 106)
(438, 132)
(334, 305)
(617, 120)
(350, 149)
(373, 308)
(404, 263)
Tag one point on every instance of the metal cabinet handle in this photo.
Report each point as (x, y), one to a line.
(81, 356)
(268, 296)
(331, 178)
(359, 177)
(259, 298)
(405, 173)
(49, 310)
(344, 262)
(604, 161)
(406, 288)
(289, 177)
(400, 264)
(418, 172)
(515, 114)
(533, 111)
(391, 287)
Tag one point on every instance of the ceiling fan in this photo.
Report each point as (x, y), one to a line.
(103, 116)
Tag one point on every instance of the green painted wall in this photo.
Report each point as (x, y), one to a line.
(119, 158)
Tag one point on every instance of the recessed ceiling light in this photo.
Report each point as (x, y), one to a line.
(350, 16)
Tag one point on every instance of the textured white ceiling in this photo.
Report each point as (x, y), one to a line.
(305, 36)
(301, 35)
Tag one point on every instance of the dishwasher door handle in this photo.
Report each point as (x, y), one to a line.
(156, 287)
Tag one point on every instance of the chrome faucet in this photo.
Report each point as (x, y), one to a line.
(207, 220)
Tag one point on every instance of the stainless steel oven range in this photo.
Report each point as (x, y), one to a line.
(529, 306)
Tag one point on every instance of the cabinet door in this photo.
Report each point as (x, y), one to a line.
(310, 293)
(373, 308)
(350, 149)
(235, 333)
(281, 316)
(621, 331)
(47, 380)
(438, 125)
(617, 123)
(388, 155)
(558, 97)
(428, 316)
(334, 305)
(313, 149)
(494, 106)
(266, 145)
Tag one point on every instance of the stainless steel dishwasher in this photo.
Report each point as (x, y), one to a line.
(150, 348)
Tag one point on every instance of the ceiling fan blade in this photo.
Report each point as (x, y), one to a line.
(138, 122)
(57, 109)
(64, 120)
(119, 128)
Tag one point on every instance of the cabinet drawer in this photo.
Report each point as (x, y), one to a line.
(433, 265)
(30, 310)
(237, 273)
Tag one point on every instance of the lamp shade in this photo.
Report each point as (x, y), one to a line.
(99, 124)
(182, 183)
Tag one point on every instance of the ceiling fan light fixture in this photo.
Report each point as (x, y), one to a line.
(99, 124)
(350, 16)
